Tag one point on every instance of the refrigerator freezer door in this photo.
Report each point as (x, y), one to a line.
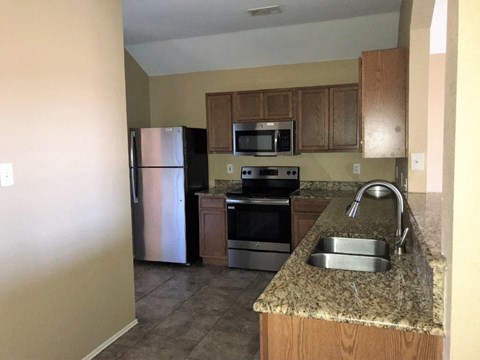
(159, 147)
(159, 215)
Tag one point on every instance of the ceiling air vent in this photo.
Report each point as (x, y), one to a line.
(267, 10)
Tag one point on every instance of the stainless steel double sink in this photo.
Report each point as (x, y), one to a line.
(354, 254)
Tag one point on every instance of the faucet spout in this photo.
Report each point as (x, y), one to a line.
(353, 209)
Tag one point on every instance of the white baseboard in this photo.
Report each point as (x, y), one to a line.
(110, 341)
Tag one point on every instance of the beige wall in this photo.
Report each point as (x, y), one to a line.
(436, 107)
(65, 257)
(418, 105)
(180, 100)
(461, 191)
(404, 23)
(414, 33)
(138, 94)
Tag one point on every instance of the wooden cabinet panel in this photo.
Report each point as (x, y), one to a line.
(344, 120)
(301, 224)
(219, 122)
(264, 105)
(212, 202)
(278, 105)
(312, 124)
(248, 106)
(304, 214)
(294, 338)
(384, 103)
(213, 230)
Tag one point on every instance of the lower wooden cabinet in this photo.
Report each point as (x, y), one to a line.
(293, 338)
(213, 230)
(304, 214)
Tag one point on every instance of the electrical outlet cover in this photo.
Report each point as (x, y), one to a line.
(418, 161)
(6, 175)
(356, 169)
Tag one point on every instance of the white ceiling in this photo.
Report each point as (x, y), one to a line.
(159, 20)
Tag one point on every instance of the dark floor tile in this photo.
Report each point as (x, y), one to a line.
(192, 326)
(247, 298)
(234, 278)
(135, 334)
(161, 349)
(210, 300)
(200, 273)
(114, 351)
(180, 288)
(150, 276)
(155, 308)
(238, 318)
(231, 345)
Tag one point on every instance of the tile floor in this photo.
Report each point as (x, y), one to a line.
(201, 312)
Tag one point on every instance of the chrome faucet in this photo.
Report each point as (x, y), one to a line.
(400, 233)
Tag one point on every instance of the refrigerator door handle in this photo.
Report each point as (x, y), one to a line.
(132, 168)
(134, 185)
(132, 144)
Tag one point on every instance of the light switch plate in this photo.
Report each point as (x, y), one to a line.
(230, 168)
(418, 161)
(6, 174)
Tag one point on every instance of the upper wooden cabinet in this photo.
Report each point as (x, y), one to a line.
(312, 124)
(328, 119)
(383, 99)
(219, 122)
(344, 129)
(264, 105)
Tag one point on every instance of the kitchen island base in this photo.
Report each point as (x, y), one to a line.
(295, 338)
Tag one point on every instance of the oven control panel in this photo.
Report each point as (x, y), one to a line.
(267, 172)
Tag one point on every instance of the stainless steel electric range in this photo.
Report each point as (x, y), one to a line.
(259, 223)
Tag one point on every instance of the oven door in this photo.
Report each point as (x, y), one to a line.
(259, 224)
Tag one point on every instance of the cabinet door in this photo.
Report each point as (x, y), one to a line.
(384, 103)
(248, 106)
(213, 230)
(304, 214)
(344, 120)
(312, 121)
(301, 224)
(278, 105)
(219, 122)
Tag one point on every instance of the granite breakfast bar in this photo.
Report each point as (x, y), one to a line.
(393, 307)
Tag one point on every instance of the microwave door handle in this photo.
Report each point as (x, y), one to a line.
(277, 139)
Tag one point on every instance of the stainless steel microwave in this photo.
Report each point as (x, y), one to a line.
(264, 138)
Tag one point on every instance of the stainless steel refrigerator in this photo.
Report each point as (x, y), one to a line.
(167, 166)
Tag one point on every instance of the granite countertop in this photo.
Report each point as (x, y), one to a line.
(322, 193)
(221, 188)
(393, 299)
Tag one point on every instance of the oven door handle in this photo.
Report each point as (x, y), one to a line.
(253, 201)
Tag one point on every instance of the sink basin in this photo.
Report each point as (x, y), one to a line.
(351, 254)
(350, 262)
(343, 245)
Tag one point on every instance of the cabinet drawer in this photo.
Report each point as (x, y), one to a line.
(211, 202)
(309, 205)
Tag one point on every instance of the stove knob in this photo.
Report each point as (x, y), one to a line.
(244, 172)
(249, 172)
(288, 172)
(294, 172)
